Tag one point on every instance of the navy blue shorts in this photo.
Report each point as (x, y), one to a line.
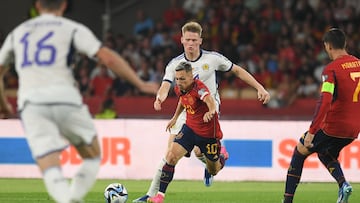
(188, 139)
(324, 143)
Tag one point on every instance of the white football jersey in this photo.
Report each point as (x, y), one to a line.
(43, 48)
(204, 68)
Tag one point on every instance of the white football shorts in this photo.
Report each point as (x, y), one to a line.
(51, 127)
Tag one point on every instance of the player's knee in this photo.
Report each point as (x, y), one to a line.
(89, 151)
(197, 152)
(171, 158)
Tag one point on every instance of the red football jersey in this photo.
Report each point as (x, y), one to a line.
(338, 112)
(195, 110)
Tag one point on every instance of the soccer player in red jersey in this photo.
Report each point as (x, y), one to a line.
(202, 128)
(336, 120)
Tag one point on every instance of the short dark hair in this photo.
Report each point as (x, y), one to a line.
(51, 4)
(336, 38)
(183, 66)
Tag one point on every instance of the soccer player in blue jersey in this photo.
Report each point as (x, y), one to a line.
(49, 101)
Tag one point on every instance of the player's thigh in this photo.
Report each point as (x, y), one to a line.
(41, 130)
(79, 129)
(175, 153)
(171, 140)
(185, 138)
(330, 145)
(324, 144)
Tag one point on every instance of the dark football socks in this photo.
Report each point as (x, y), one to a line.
(334, 168)
(293, 175)
(166, 177)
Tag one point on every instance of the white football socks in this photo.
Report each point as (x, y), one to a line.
(84, 178)
(56, 185)
(155, 183)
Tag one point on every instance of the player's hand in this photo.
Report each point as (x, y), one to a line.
(263, 96)
(149, 88)
(208, 116)
(6, 111)
(170, 124)
(157, 104)
(308, 140)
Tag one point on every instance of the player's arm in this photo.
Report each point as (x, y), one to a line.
(5, 106)
(323, 105)
(179, 109)
(162, 94)
(210, 102)
(6, 54)
(120, 66)
(241, 73)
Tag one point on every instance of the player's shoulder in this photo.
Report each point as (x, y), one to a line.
(176, 60)
(211, 53)
(343, 62)
(72, 24)
(48, 20)
(199, 84)
(200, 88)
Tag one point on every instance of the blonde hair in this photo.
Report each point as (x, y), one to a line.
(192, 27)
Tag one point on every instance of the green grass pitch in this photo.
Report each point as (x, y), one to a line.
(179, 191)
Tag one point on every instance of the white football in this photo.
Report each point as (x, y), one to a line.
(115, 193)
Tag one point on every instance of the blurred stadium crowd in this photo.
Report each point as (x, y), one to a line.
(278, 41)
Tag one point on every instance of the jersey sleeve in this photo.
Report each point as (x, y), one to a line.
(6, 50)
(202, 90)
(169, 75)
(85, 41)
(223, 63)
(324, 103)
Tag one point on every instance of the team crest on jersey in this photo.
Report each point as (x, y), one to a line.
(205, 67)
(179, 135)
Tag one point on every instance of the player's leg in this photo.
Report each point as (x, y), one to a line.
(46, 145)
(208, 178)
(77, 126)
(155, 182)
(334, 168)
(295, 170)
(85, 177)
(182, 144)
(175, 153)
(329, 158)
(215, 157)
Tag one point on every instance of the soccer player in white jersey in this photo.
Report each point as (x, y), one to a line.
(49, 102)
(205, 64)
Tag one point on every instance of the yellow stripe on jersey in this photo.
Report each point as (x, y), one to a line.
(328, 87)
